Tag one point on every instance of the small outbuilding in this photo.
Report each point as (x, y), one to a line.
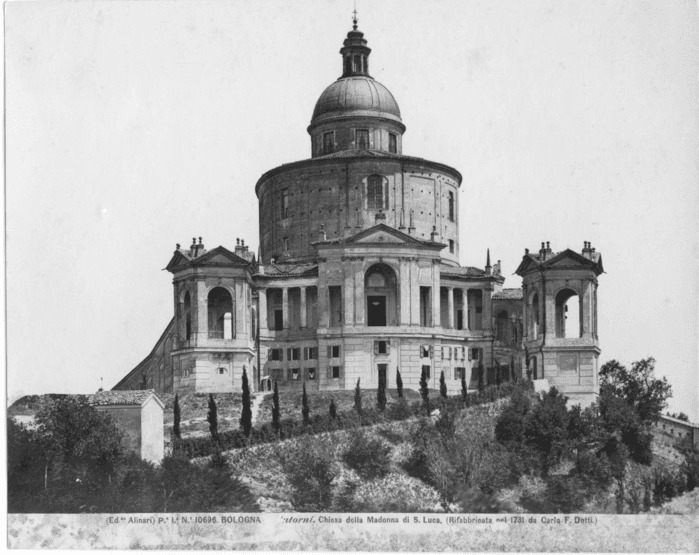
(139, 414)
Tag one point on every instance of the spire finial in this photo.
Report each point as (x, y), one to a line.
(354, 19)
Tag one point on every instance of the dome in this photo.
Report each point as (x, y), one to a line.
(356, 96)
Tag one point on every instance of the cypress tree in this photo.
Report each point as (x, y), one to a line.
(527, 362)
(399, 383)
(275, 408)
(481, 380)
(358, 398)
(333, 409)
(212, 418)
(246, 415)
(176, 424)
(464, 389)
(424, 391)
(381, 392)
(442, 386)
(512, 369)
(498, 373)
(304, 406)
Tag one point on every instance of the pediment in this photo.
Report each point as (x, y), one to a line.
(380, 237)
(567, 259)
(219, 256)
(384, 234)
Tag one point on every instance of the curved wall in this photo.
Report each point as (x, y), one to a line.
(335, 193)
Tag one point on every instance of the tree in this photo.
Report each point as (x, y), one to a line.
(424, 392)
(358, 398)
(333, 409)
(498, 373)
(26, 467)
(481, 379)
(399, 383)
(212, 418)
(442, 386)
(546, 428)
(680, 416)
(305, 410)
(464, 389)
(638, 387)
(275, 408)
(513, 373)
(177, 416)
(246, 416)
(381, 392)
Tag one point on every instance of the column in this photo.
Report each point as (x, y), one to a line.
(487, 308)
(348, 294)
(586, 310)
(450, 305)
(201, 306)
(262, 308)
(359, 292)
(303, 307)
(285, 307)
(436, 296)
(405, 292)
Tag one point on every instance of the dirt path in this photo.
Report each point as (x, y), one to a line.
(256, 404)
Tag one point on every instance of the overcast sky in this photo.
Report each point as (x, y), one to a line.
(132, 126)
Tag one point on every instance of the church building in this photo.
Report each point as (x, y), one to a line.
(358, 275)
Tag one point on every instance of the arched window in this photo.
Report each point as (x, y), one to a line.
(535, 315)
(502, 326)
(375, 193)
(567, 314)
(381, 291)
(187, 316)
(220, 313)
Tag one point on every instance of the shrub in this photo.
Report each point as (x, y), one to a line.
(275, 407)
(333, 409)
(358, 398)
(176, 416)
(399, 383)
(442, 386)
(212, 418)
(509, 426)
(381, 393)
(566, 494)
(310, 469)
(665, 485)
(545, 428)
(690, 469)
(424, 392)
(246, 415)
(368, 456)
(305, 410)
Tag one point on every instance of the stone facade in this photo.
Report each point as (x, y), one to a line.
(358, 274)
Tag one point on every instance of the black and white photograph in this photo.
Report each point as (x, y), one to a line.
(338, 275)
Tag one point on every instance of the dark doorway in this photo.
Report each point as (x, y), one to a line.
(376, 310)
(459, 319)
(278, 319)
(382, 374)
(535, 372)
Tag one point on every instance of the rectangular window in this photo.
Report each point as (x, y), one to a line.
(425, 351)
(294, 373)
(278, 319)
(285, 204)
(336, 372)
(275, 354)
(459, 372)
(362, 138)
(381, 347)
(293, 354)
(451, 207)
(426, 370)
(392, 143)
(311, 373)
(329, 142)
(375, 193)
(451, 246)
(475, 354)
(336, 351)
(285, 244)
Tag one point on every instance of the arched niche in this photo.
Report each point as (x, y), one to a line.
(567, 314)
(381, 296)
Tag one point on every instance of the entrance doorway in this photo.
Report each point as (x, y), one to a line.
(376, 310)
(382, 374)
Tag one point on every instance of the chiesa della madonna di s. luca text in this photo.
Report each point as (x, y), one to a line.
(358, 275)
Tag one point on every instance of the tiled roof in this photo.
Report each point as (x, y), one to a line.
(281, 270)
(469, 271)
(509, 294)
(134, 397)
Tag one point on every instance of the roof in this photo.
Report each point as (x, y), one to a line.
(678, 421)
(465, 271)
(509, 295)
(132, 397)
(358, 95)
(592, 260)
(219, 257)
(290, 269)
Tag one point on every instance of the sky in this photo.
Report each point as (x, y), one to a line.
(133, 126)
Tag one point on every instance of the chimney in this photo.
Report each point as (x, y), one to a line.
(496, 269)
(193, 248)
(488, 267)
(240, 247)
(542, 252)
(199, 249)
(587, 250)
